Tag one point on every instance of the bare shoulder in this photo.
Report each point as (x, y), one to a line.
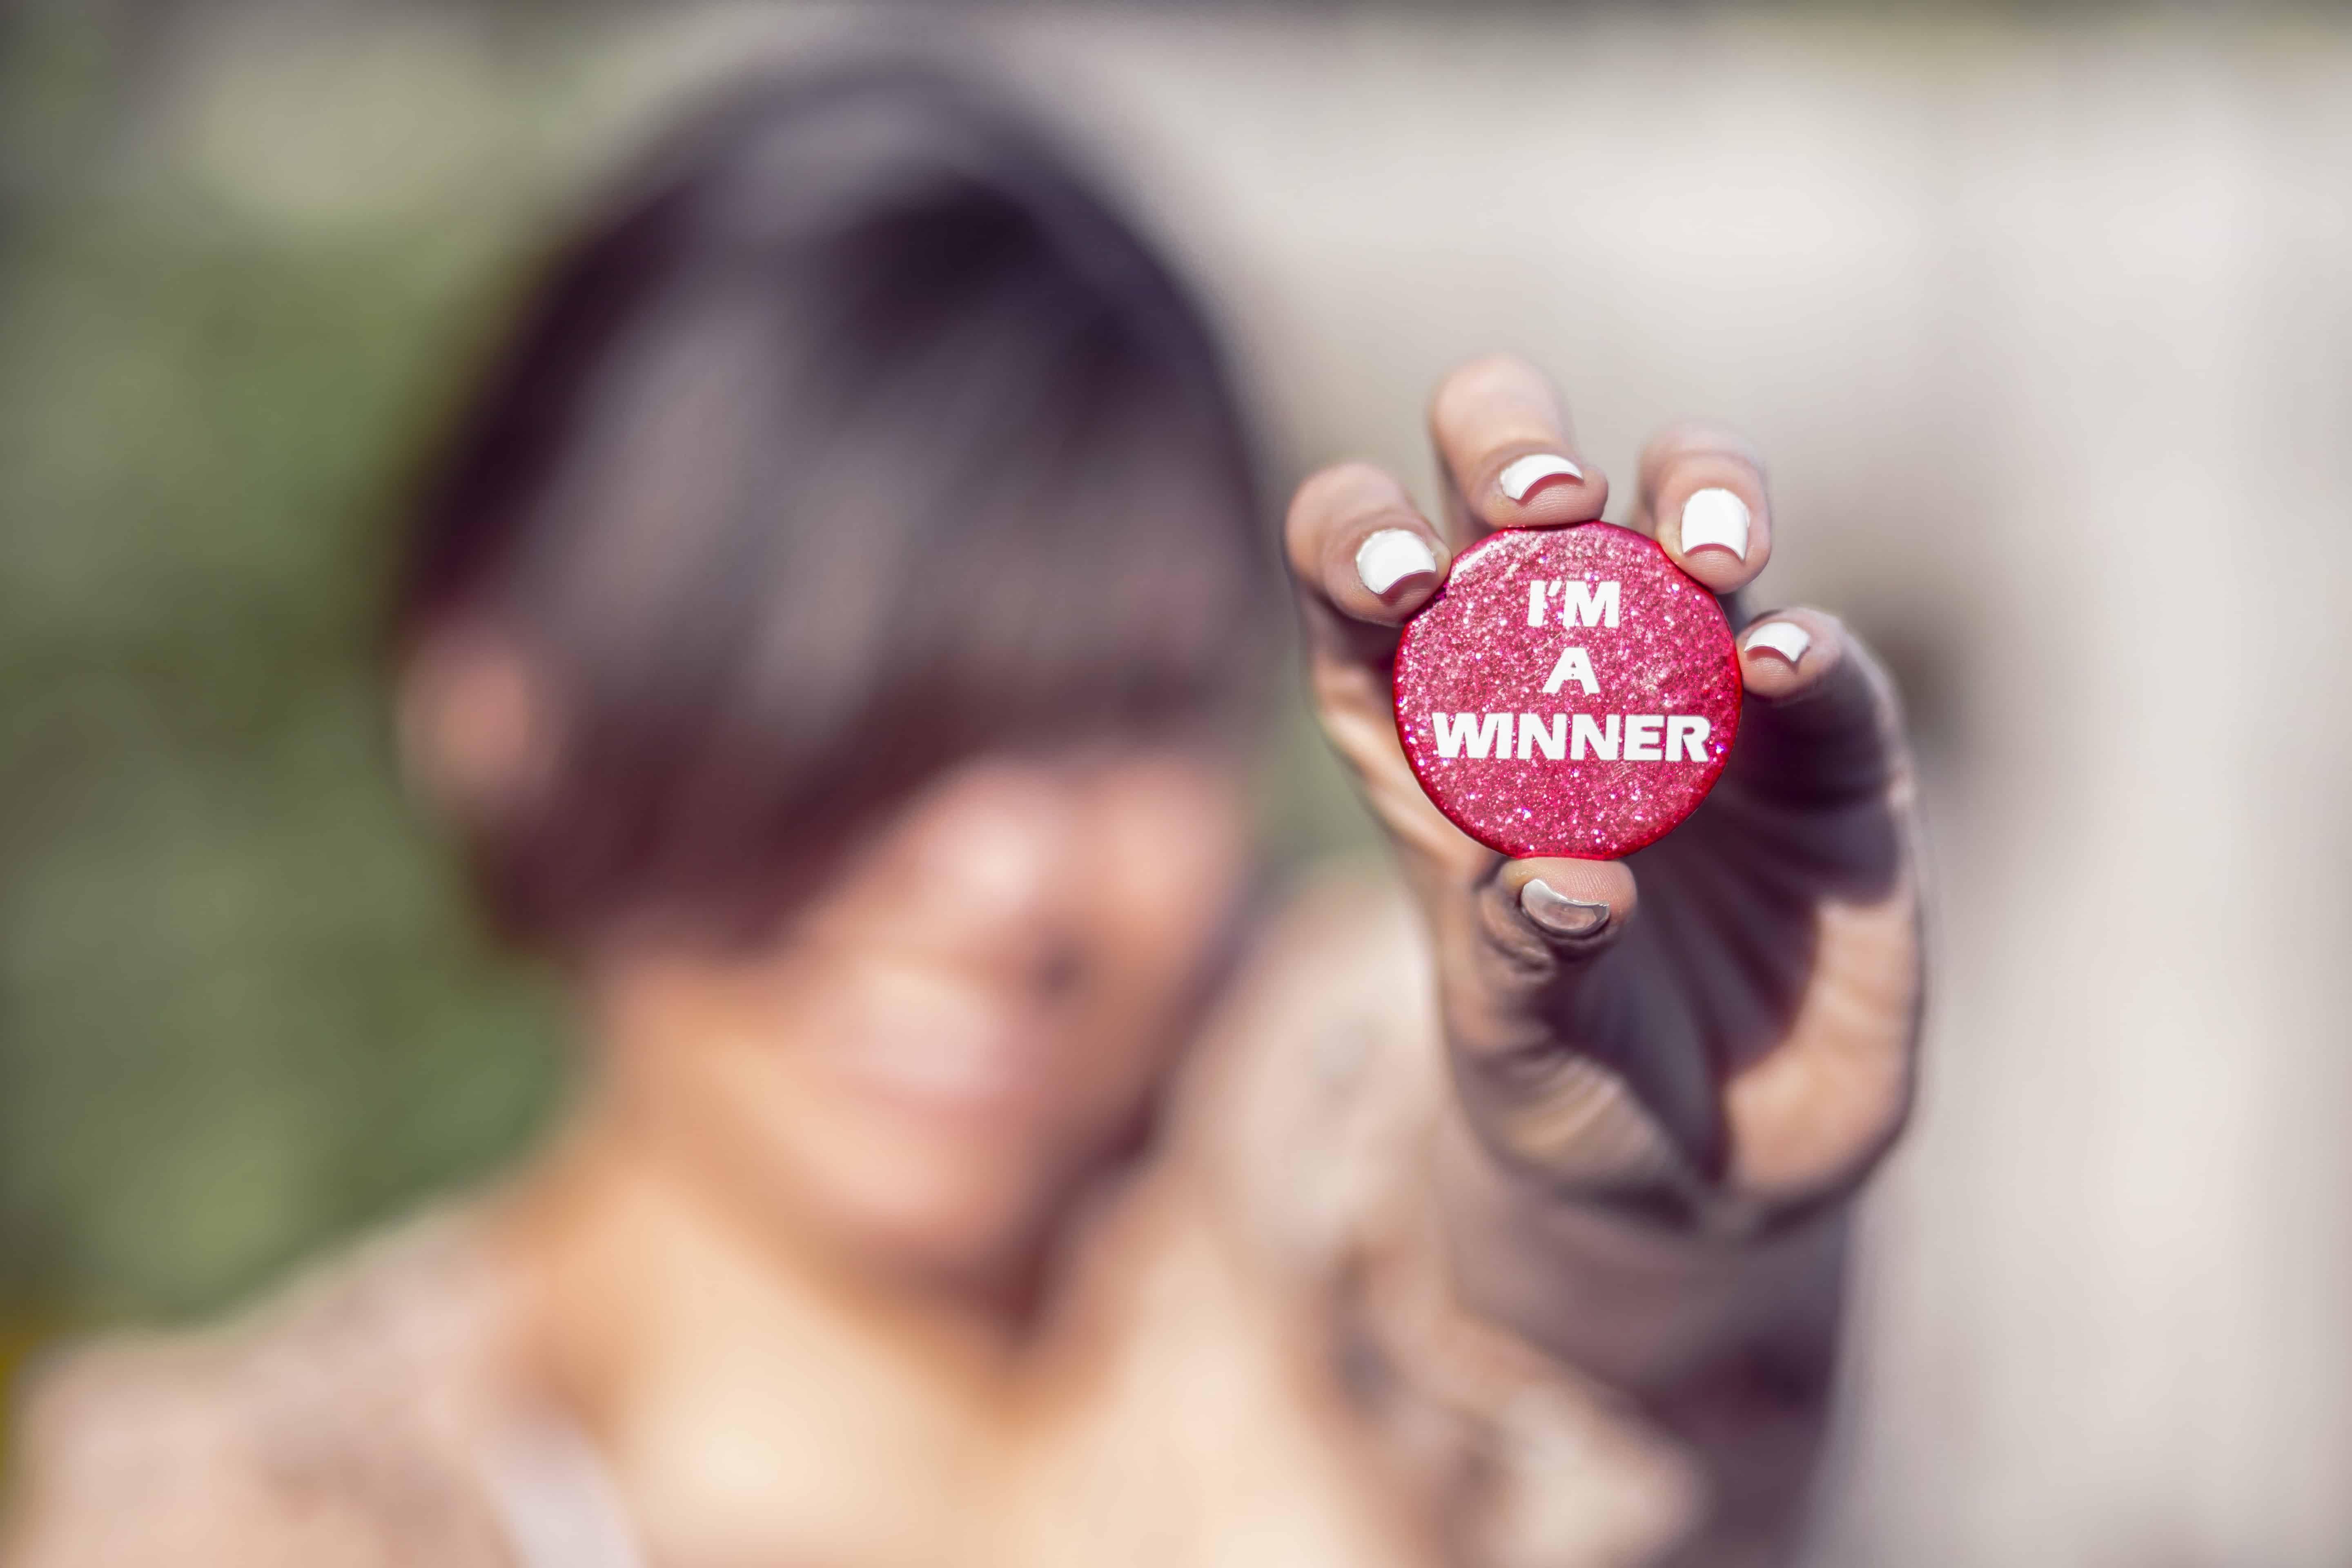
(328, 1428)
(1322, 1065)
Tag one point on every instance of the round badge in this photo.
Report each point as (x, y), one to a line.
(1569, 691)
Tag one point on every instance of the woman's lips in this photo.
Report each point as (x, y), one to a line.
(941, 1041)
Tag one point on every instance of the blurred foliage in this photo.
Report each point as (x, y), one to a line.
(241, 1005)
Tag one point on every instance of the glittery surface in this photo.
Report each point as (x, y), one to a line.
(1470, 679)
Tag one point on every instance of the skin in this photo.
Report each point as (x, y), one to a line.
(1659, 1121)
(1746, 1051)
(810, 1263)
(916, 1074)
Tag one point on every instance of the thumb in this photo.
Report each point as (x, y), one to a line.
(1560, 1072)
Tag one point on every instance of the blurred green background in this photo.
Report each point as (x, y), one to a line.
(242, 1008)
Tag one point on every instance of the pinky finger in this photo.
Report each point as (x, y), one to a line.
(1788, 651)
(1822, 721)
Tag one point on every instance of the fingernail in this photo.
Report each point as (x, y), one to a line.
(1522, 475)
(1715, 516)
(1391, 556)
(1560, 914)
(1785, 639)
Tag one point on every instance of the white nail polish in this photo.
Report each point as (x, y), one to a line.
(1391, 556)
(1715, 516)
(1523, 474)
(1785, 639)
(1560, 914)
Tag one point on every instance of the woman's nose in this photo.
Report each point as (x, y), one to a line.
(995, 854)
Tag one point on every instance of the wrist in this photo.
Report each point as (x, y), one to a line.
(1638, 1297)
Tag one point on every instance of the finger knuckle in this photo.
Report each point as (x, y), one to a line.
(1700, 440)
(1475, 384)
(1320, 499)
(1338, 490)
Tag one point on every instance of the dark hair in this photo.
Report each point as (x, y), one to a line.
(859, 433)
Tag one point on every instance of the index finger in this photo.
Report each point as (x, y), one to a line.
(1362, 559)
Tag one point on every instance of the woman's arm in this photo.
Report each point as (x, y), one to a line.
(1660, 1116)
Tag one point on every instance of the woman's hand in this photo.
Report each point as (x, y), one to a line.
(1739, 1050)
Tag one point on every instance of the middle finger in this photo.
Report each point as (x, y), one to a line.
(1508, 453)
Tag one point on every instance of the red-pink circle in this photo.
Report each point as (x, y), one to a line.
(1636, 755)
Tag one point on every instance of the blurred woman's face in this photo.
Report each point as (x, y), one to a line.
(968, 1016)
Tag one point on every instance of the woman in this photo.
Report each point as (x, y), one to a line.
(836, 627)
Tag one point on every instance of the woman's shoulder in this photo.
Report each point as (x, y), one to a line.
(1322, 1064)
(333, 1425)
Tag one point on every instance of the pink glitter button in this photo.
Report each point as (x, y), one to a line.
(1569, 691)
